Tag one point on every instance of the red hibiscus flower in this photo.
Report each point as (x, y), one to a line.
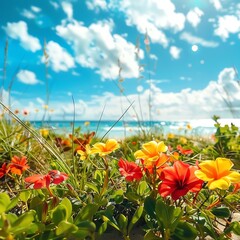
(130, 170)
(184, 151)
(4, 170)
(178, 180)
(44, 181)
(18, 165)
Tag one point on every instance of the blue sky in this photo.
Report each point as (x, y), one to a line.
(179, 57)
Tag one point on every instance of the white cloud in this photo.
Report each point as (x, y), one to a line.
(153, 56)
(191, 39)
(28, 14)
(19, 31)
(59, 58)
(153, 16)
(68, 9)
(216, 3)
(194, 16)
(175, 52)
(97, 5)
(54, 4)
(27, 77)
(36, 9)
(184, 105)
(227, 24)
(97, 48)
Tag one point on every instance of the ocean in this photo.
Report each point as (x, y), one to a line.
(121, 129)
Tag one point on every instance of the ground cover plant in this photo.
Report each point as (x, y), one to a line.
(77, 186)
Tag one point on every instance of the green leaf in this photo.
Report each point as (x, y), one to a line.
(143, 188)
(87, 225)
(111, 222)
(185, 231)
(24, 195)
(59, 214)
(65, 227)
(86, 213)
(122, 223)
(137, 215)
(23, 223)
(149, 206)
(66, 202)
(93, 187)
(221, 212)
(12, 204)
(102, 228)
(4, 202)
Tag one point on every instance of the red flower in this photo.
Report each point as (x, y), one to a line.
(4, 170)
(57, 177)
(178, 180)
(129, 170)
(44, 181)
(18, 165)
(184, 151)
(39, 181)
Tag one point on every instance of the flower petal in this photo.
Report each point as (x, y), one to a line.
(222, 183)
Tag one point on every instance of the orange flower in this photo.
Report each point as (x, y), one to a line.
(104, 149)
(18, 165)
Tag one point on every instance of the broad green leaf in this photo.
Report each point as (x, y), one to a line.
(137, 215)
(93, 187)
(59, 214)
(122, 223)
(151, 236)
(149, 206)
(143, 188)
(102, 228)
(24, 195)
(4, 202)
(87, 225)
(221, 212)
(25, 220)
(185, 231)
(12, 204)
(65, 227)
(110, 222)
(66, 202)
(86, 213)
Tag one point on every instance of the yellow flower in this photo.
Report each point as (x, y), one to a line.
(84, 154)
(151, 151)
(189, 127)
(104, 149)
(170, 136)
(44, 132)
(182, 140)
(217, 173)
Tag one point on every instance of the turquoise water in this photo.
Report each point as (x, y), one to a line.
(128, 128)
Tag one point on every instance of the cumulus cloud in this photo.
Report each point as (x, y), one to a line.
(170, 106)
(31, 14)
(216, 3)
(191, 39)
(27, 77)
(97, 48)
(68, 9)
(226, 25)
(175, 52)
(194, 16)
(153, 16)
(19, 31)
(97, 5)
(59, 58)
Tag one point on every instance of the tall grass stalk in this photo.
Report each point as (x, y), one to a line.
(4, 68)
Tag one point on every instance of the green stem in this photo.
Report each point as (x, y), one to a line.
(106, 177)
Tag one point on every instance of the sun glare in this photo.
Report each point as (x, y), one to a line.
(194, 48)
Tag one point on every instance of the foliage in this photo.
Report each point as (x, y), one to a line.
(79, 187)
